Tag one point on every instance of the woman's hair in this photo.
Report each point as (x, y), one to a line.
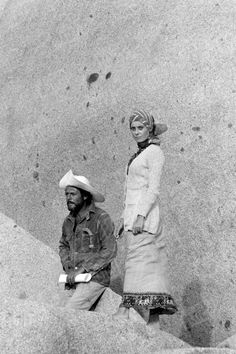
(148, 120)
(143, 117)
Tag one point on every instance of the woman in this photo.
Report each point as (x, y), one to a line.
(145, 282)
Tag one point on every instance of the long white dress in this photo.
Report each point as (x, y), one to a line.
(146, 282)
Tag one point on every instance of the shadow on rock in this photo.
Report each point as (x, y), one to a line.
(197, 328)
(118, 267)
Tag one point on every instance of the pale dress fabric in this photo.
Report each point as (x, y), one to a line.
(142, 189)
(146, 264)
(146, 268)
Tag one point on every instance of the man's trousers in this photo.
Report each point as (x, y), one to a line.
(85, 295)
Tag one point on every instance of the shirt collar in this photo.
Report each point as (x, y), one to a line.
(85, 214)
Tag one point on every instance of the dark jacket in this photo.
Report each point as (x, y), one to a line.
(88, 241)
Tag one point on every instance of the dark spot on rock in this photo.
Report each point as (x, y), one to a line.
(18, 316)
(188, 327)
(220, 323)
(87, 105)
(37, 154)
(222, 39)
(91, 16)
(15, 226)
(84, 157)
(80, 34)
(44, 203)
(22, 295)
(200, 137)
(234, 91)
(37, 165)
(85, 68)
(67, 88)
(114, 157)
(123, 120)
(230, 125)
(210, 228)
(227, 324)
(108, 75)
(115, 132)
(92, 78)
(182, 149)
(36, 175)
(9, 313)
(181, 133)
(196, 129)
(217, 4)
(93, 140)
(112, 118)
(178, 182)
(231, 280)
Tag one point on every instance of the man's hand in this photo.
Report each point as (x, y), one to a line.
(68, 267)
(72, 274)
(138, 225)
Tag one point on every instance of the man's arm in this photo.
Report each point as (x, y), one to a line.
(64, 252)
(101, 259)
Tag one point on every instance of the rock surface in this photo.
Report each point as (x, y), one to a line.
(29, 268)
(39, 328)
(229, 343)
(109, 302)
(71, 72)
(198, 350)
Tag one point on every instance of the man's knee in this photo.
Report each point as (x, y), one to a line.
(85, 296)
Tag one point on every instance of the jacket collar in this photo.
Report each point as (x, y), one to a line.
(83, 215)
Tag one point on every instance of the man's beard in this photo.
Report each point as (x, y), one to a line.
(73, 208)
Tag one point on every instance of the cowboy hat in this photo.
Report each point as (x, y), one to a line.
(80, 182)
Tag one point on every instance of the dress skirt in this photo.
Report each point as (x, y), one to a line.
(146, 274)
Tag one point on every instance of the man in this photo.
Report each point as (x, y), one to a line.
(87, 244)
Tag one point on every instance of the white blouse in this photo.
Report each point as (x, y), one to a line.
(142, 189)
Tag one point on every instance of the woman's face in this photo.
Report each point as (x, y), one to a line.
(139, 131)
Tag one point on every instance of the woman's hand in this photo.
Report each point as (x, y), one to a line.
(119, 228)
(138, 225)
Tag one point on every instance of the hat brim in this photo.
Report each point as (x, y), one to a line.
(160, 128)
(70, 180)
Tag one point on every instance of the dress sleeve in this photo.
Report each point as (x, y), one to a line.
(155, 161)
(124, 194)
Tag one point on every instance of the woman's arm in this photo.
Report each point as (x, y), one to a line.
(155, 161)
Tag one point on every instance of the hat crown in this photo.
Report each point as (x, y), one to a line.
(80, 182)
(82, 179)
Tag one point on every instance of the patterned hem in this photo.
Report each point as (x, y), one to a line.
(158, 303)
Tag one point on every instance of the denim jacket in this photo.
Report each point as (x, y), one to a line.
(88, 241)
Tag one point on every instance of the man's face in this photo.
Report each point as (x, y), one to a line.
(74, 199)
